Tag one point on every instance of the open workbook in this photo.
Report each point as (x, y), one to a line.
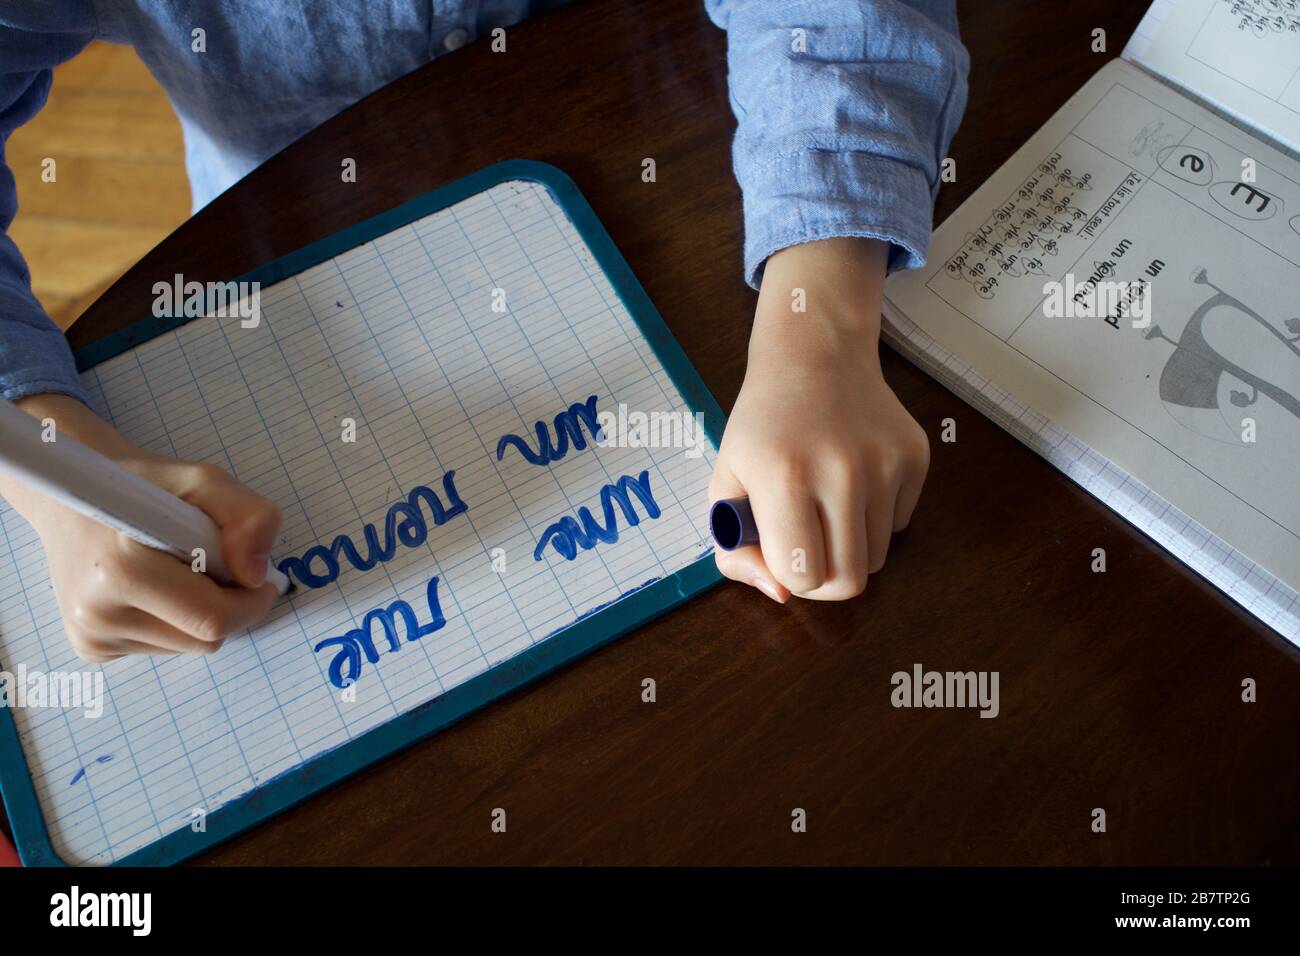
(1123, 295)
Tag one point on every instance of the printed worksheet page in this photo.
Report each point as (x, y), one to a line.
(1132, 275)
(1243, 56)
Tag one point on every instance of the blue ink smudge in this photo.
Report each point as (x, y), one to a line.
(600, 607)
(82, 772)
(568, 426)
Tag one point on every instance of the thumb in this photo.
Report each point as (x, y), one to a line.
(248, 522)
(746, 564)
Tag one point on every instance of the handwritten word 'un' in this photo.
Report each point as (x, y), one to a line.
(568, 534)
(568, 427)
(360, 641)
(404, 523)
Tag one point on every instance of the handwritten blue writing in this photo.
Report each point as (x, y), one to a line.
(346, 666)
(404, 523)
(568, 426)
(568, 535)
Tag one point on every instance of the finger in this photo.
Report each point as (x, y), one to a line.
(117, 648)
(248, 522)
(790, 534)
(94, 657)
(844, 512)
(132, 631)
(913, 481)
(193, 603)
(908, 496)
(881, 509)
(746, 564)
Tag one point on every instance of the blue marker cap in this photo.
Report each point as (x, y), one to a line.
(732, 522)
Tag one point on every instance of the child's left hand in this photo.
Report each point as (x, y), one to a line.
(831, 461)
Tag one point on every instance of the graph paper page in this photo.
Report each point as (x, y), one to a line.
(433, 343)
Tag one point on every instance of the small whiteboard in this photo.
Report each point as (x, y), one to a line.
(491, 456)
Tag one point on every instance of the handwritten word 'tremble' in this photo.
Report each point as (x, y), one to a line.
(568, 535)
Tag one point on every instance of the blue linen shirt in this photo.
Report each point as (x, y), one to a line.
(845, 109)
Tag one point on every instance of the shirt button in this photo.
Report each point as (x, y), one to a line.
(456, 39)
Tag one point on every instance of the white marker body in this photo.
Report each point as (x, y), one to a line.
(100, 488)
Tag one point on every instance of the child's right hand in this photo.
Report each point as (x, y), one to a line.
(119, 597)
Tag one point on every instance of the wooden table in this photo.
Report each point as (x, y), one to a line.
(1118, 690)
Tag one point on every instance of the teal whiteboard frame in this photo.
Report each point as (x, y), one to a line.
(597, 627)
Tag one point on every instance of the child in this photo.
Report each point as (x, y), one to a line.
(845, 109)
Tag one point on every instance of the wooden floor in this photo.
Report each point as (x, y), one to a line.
(120, 184)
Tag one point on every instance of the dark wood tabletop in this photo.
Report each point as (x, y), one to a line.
(1119, 690)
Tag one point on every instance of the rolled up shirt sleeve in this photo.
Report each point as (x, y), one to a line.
(845, 110)
(34, 355)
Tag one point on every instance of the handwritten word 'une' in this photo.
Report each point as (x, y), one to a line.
(346, 666)
(568, 427)
(404, 523)
(568, 534)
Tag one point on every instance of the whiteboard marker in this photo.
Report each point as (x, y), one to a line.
(99, 488)
(732, 522)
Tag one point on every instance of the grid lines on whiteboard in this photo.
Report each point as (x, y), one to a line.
(399, 336)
